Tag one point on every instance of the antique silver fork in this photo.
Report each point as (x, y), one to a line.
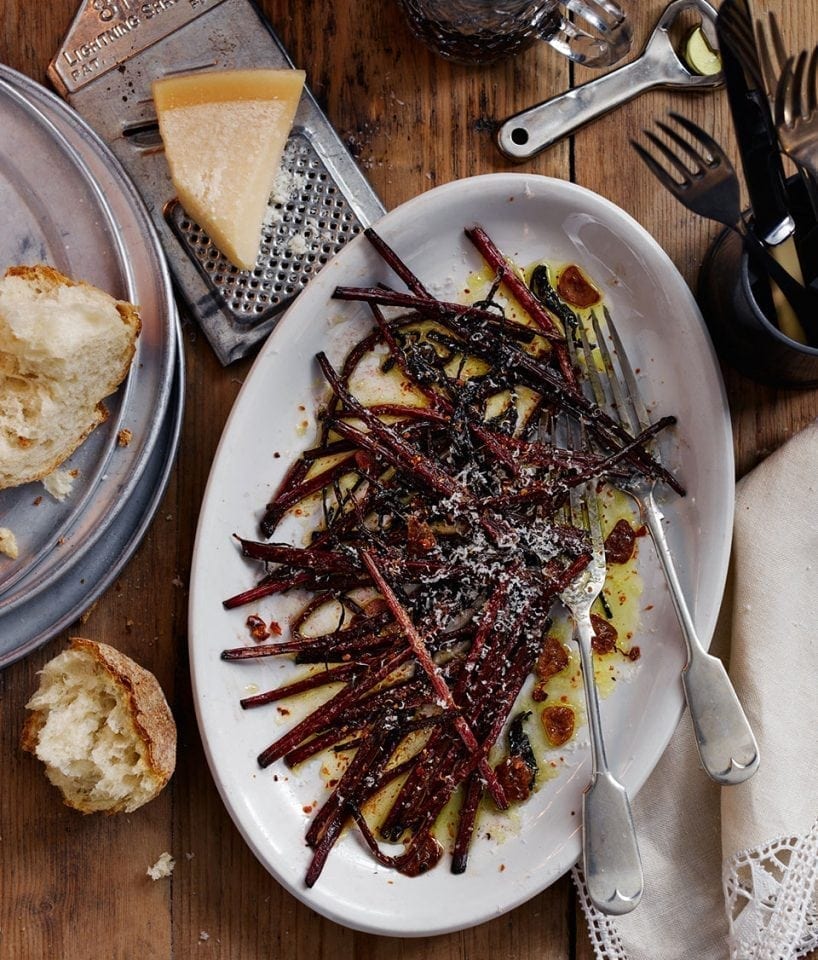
(796, 111)
(792, 85)
(726, 744)
(610, 852)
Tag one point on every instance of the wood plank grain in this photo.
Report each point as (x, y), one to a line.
(75, 887)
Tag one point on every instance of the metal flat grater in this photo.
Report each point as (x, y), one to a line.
(114, 50)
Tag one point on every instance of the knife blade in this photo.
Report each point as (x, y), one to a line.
(759, 150)
(753, 122)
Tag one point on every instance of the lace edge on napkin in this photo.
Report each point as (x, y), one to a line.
(770, 894)
(602, 930)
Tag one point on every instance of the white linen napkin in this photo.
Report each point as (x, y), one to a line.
(731, 872)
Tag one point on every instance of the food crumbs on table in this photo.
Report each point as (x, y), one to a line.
(162, 868)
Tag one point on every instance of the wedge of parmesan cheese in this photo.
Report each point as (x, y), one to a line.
(224, 133)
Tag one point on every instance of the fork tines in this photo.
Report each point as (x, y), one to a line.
(795, 98)
(701, 177)
(735, 25)
(619, 390)
(772, 71)
(712, 156)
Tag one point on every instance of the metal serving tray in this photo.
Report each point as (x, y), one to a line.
(68, 203)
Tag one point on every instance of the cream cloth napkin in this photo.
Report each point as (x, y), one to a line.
(731, 872)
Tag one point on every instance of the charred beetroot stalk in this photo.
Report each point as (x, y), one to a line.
(438, 556)
(465, 824)
(432, 672)
(437, 309)
(527, 300)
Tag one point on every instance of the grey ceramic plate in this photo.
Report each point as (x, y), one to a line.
(69, 204)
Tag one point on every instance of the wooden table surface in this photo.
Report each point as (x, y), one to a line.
(74, 887)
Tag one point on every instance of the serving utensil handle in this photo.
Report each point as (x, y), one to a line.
(611, 861)
(610, 852)
(539, 127)
(727, 747)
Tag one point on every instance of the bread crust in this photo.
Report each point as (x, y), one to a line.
(147, 708)
(48, 278)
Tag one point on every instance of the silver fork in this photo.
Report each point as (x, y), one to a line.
(792, 85)
(796, 111)
(610, 853)
(727, 747)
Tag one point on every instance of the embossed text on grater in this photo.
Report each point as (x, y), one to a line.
(308, 221)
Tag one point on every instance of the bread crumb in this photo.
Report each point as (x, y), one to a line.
(59, 484)
(124, 437)
(162, 868)
(85, 616)
(204, 935)
(8, 543)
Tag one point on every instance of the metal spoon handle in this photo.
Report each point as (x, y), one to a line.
(726, 744)
(537, 128)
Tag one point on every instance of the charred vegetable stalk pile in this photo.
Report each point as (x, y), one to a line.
(439, 553)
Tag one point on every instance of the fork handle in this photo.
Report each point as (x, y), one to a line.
(726, 744)
(610, 854)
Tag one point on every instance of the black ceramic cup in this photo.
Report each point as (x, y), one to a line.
(734, 296)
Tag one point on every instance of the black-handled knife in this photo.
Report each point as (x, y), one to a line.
(759, 149)
(753, 121)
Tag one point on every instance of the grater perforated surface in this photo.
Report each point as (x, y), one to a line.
(309, 220)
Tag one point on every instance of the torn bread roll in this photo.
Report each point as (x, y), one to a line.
(102, 727)
(64, 346)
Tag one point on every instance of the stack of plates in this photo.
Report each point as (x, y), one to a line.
(67, 202)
